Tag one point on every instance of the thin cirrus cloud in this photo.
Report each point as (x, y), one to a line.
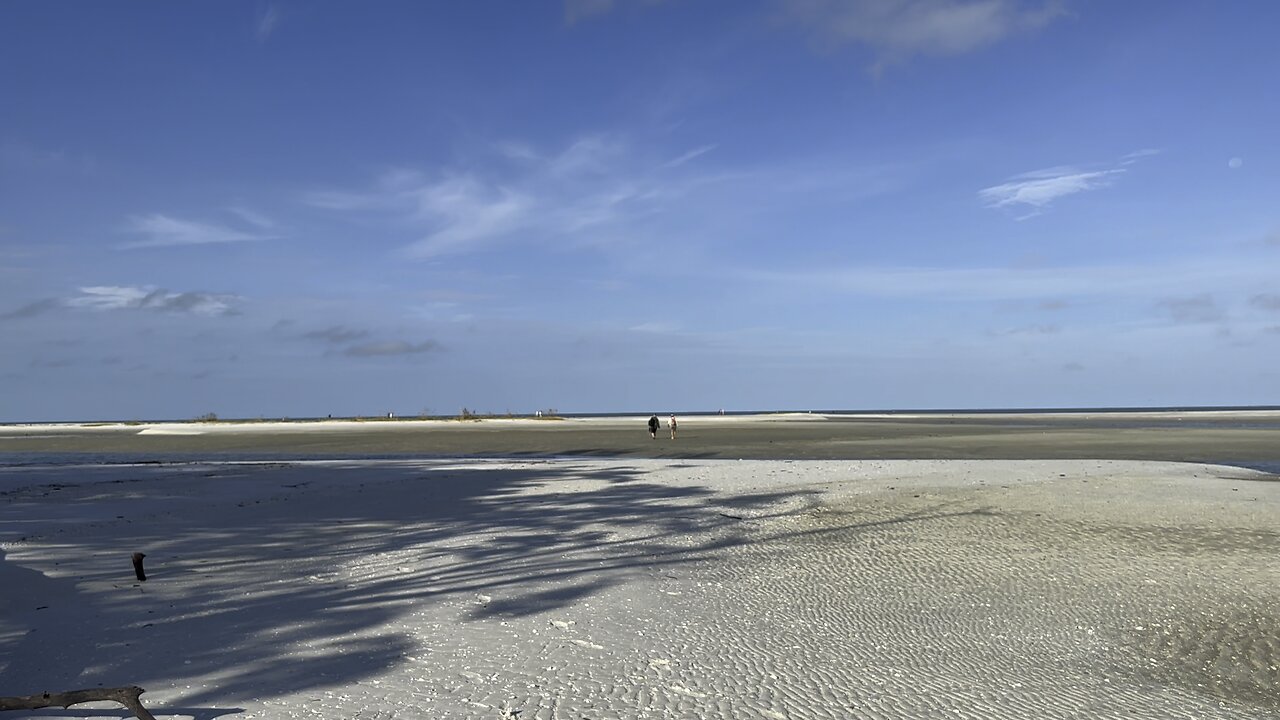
(163, 231)
(252, 217)
(900, 30)
(267, 20)
(1037, 189)
(591, 184)
(597, 193)
(696, 152)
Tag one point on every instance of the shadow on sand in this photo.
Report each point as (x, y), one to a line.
(270, 600)
(273, 579)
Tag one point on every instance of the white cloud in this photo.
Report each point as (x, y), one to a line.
(467, 211)
(1041, 187)
(1038, 188)
(114, 297)
(164, 231)
(900, 29)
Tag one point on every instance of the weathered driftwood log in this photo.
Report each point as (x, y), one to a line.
(137, 566)
(126, 696)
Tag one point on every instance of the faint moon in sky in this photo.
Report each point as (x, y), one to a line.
(1234, 163)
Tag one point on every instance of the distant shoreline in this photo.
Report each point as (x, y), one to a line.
(1249, 437)
(366, 422)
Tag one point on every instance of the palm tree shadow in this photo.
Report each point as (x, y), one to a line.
(280, 579)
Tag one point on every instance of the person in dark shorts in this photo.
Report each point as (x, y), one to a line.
(653, 427)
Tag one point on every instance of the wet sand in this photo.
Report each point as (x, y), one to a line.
(1192, 437)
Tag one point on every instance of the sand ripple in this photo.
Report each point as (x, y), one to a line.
(709, 589)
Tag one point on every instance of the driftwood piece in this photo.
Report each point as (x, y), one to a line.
(126, 696)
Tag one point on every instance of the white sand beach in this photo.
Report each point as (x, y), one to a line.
(646, 588)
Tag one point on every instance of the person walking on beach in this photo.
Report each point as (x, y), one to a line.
(672, 423)
(653, 427)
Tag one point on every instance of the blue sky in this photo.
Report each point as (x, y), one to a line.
(299, 209)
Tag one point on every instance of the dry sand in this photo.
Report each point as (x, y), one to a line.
(630, 588)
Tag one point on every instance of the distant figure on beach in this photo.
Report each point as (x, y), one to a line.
(653, 427)
(672, 423)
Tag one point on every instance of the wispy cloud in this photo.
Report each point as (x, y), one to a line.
(392, 347)
(1039, 188)
(696, 152)
(900, 29)
(109, 297)
(555, 198)
(598, 192)
(467, 211)
(265, 23)
(514, 150)
(164, 231)
(252, 217)
(1136, 155)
